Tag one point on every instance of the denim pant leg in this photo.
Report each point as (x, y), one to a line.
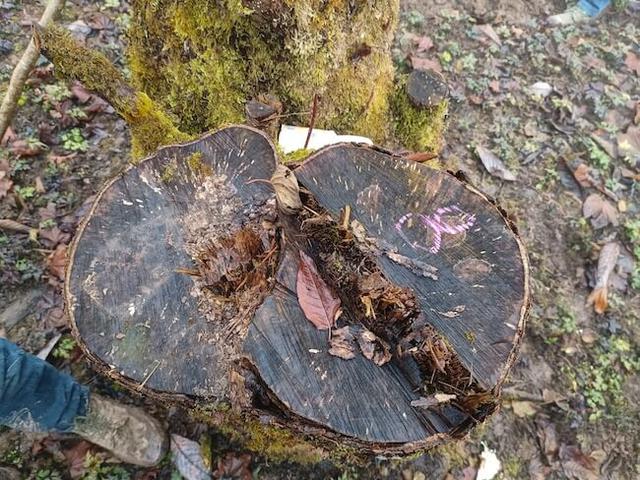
(593, 7)
(34, 396)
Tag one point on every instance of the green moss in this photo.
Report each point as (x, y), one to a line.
(203, 59)
(420, 129)
(168, 172)
(197, 166)
(296, 156)
(513, 467)
(455, 455)
(275, 443)
(150, 126)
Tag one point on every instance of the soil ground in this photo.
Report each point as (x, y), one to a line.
(559, 106)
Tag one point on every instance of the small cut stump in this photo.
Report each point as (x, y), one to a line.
(182, 283)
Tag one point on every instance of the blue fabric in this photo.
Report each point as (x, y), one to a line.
(34, 396)
(593, 7)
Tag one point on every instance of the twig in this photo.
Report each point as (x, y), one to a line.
(146, 379)
(312, 122)
(23, 69)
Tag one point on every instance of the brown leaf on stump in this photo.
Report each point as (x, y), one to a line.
(342, 343)
(319, 304)
(373, 347)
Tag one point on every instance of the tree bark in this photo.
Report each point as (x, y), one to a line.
(202, 60)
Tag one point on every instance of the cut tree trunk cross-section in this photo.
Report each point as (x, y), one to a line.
(183, 277)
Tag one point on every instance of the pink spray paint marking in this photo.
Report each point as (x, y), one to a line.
(438, 226)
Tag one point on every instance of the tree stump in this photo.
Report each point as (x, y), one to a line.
(182, 283)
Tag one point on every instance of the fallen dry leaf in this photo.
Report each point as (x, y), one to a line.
(424, 44)
(421, 156)
(373, 347)
(54, 236)
(40, 185)
(342, 343)
(523, 408)
(537, 470)
(600, 211)
(582, 174)
(432, 400)
(547, 438)
(234, 467)
(187, 457)
(8, 137)
(75, 457)
(632, 61)
(489, 32)
(578, 466)
(419, 63)
(57, 261)
(13, 226)
(5, 185)
(589, 336)
(494, 165)
(82, 94)
(606, 263)
(22, 148)
(319, 304)
(629, 143)
(285, 184)
(454, 312)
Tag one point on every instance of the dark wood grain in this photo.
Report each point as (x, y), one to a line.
(137, 316)
(130, 307)
(482, 268)
(355, 398)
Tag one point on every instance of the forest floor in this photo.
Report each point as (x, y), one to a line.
(560, 107)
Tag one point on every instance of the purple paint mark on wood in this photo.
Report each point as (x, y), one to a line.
(438, 226)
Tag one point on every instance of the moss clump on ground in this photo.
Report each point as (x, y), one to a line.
(203, 59)
(274, 443)
(420, 129)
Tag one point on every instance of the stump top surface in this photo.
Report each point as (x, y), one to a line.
(477, 298)
(137, 313)
(131, 306)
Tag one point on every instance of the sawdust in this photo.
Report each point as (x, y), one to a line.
(235, 251)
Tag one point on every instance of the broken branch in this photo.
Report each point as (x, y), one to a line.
(23, 69)
(150, 126)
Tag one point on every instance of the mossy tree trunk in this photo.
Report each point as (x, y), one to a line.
(204, 59)
(197, 63)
